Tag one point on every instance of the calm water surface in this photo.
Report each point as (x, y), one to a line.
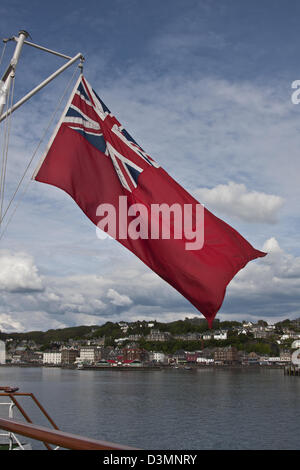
(172, 409)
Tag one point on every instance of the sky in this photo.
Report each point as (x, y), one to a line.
(205, 88)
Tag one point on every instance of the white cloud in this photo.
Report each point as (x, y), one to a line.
(275, 278)
(8, 323)
(118, 299)
(234, 199)
(21, 321)
(267, 288)
(18, 272)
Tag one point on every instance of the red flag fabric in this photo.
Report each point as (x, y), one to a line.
(96, 161)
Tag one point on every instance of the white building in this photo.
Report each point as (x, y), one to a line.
(158, 357)
(206, 336)
(124, 327)
(248, 324)
(279, 360)
(2, 353)
(89, 354)
(52, 358)
(204, 360)
(220, 335)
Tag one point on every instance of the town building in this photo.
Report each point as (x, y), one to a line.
(192, 356)
(33, 357)
(159, 357)
(156, 335)
(16, 358)
(220, 335)
(69, 356)
(248, 358)
(189, 336)
(204, 361)
(90, 354)
(2, 353)
(207, 336)
(132, 354)
(179, 357)
(52, 358)
(134, 337)
(96, 341)
(285, 356)
(124, 327)
(227, 355)
(261, 331)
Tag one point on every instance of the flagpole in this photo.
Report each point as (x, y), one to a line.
(78, 56)
(10, 71)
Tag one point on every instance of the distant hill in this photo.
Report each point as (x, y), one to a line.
(114, 330)
(111, 330)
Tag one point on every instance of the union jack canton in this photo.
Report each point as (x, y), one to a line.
(87, 114)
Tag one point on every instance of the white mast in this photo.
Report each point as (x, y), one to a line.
(5, 82)
(10, 71)
(5, 85)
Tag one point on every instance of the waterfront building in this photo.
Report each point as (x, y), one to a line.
(180, 357)
(285, 356)
(227, 355)
(160, 357)
(135, 363)
(248, 359)
(132, 354)
(192, 356)
(90, 354)
(112, 354)
(275, 360)
(30, 356)
(53, 358)
(16, 358)
(2, 352)
(68, 356)
(204, 360)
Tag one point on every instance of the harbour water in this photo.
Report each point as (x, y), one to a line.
(168, 409)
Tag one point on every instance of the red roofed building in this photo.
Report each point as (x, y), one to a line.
(130, 354)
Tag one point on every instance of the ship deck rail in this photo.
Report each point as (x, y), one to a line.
(44, 434)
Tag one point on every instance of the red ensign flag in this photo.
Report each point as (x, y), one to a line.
(122, 189)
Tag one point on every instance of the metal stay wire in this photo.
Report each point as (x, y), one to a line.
(3, 51)
(30, 162)
(5, 150)
(6, 135)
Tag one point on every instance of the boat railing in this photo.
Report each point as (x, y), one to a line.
(59, 438)
(44, 434)
(14, 395)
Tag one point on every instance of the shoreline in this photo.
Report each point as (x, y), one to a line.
(161, 367)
